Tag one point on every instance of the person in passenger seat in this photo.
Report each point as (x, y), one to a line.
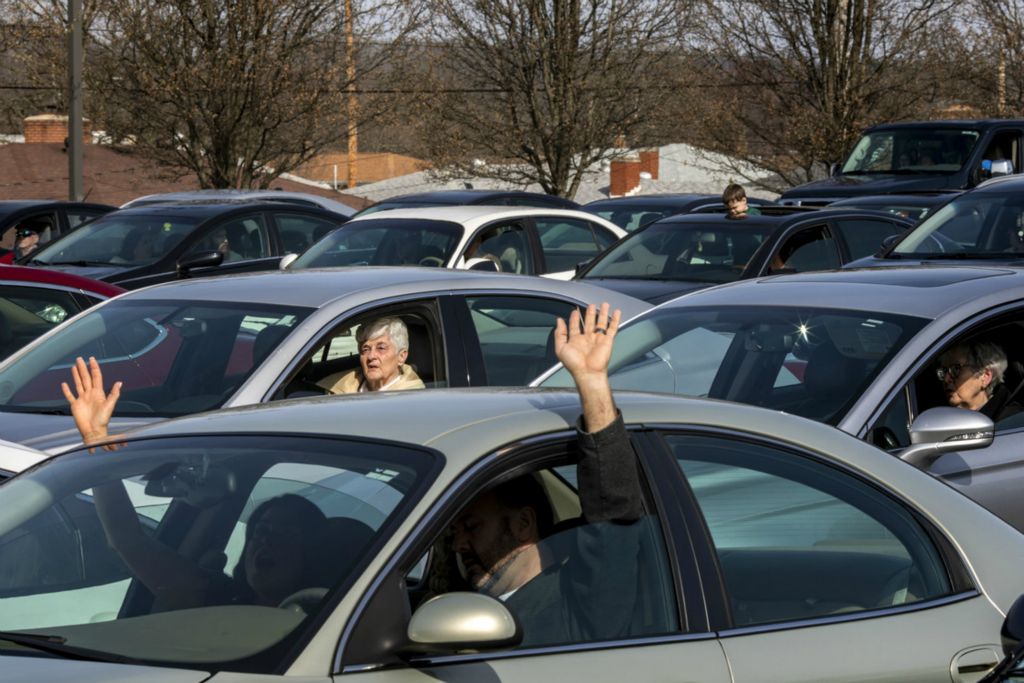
(972, 376)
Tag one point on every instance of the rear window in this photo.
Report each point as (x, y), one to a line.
(384, 242)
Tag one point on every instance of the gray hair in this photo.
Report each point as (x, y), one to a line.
(982, 356)
(394, 328)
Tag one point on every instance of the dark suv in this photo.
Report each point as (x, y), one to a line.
(929, 156)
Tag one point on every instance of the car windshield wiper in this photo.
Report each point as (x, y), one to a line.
(58, 645)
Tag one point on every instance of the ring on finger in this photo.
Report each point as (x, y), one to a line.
(601, 330)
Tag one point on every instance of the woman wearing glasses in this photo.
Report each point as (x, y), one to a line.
(972, 375)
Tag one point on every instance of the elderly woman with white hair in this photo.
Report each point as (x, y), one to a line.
(972, 375)
(383, 350)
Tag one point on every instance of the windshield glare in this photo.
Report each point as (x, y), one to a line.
(197, 550)
(174, 358)
(910, 150)
(806, 361)
(384, 242)
(976, 224)
(696, 252)
(119, 240)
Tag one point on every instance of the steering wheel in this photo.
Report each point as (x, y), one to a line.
(304, 600)
(432, 261)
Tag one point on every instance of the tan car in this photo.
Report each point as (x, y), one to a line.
(767, 548)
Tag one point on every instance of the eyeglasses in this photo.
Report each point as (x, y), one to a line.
(950, 371)
(26, 233)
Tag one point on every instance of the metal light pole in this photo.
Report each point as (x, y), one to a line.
(75, 100)
(352, 103)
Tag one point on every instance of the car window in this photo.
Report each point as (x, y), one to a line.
(248, 533)
(333, 366)
(507, 245)
(174, 358)
(631, 218)
(808, 249)
(603, 580)
(77, 217)
(566, 242)
(796, 539)
(515, 336)
(117, 239)
(239, 239)
(864, 236)
(28, 312)
(297, 232)
(384, 242)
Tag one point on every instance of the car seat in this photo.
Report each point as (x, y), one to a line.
(828, 378)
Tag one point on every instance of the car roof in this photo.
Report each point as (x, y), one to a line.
(772, 220)
(9, 206)
(461, 196)
(209, 207)
(923, 291)
(235, 194)
(315, 287)
(465, 213)
(46, 276)
(923, 199)
(661, 199)
(957, 123)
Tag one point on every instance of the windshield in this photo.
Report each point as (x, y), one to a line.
(384, 242)
(174, 358)
(912, 150)
(632, 218)
(697, 252)
(197, 550)
(983, 225)
(120, 240)
(811, 362)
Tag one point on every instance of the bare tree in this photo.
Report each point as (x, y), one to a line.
(990, 57)
(802, 77)
(235, 92)
(541, 89)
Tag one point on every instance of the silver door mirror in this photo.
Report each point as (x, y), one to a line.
(945, 429)
(287, 260)
(462, 621)
(1001, 167)
(484, 264)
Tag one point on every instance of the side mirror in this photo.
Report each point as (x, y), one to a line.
(484, 264)
(200, 259)
(945, 429)
(461, 621)
(1013, 647)
(890, 240)
(833, 169)
(581, 266)
(286, 261)
(1001, 167)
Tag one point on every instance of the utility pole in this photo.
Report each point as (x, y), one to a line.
(352, 105)
(75, 100)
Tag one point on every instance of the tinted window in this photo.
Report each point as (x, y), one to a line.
(806, 250)
(796, 539)
(566, 242)
(515, 336)
(119, 240)
(286, 523)
(910, 150)
(985, 223)
(239, 239)
(506, 245)
(864, 235)
(78, 216)
(809, 362)
(27, 312)
(384, 242)
(631, 218)
(173, 357)
(298, 232)
(714, 253)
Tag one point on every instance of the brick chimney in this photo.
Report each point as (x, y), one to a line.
(52, 128)
(625, 176)
(649, 162)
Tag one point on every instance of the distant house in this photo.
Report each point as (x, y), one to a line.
(38, 169)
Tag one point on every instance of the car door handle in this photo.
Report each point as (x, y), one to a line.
(972, 664)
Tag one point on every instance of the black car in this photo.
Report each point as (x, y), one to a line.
(982, 227)
(684, 253)
(469, 197)
(51, 218)
(632, 213)
(911, 206)
(143, 246)
(923, 156)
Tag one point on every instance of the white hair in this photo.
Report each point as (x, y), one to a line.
(393, 327)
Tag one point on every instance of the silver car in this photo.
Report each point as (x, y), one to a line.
(858, 349)
(770, 548)
(208, 343)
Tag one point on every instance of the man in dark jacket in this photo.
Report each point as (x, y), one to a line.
(587, 591)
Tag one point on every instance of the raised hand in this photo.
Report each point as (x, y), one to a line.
(585, 350)
(91, 406)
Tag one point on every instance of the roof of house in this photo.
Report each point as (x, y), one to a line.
(110, 175)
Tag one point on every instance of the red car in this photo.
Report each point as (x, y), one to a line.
(33, 300)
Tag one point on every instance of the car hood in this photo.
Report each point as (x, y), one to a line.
(859, 185)
(104, 273)
(54, 433)
(29, 669)
(652, 291)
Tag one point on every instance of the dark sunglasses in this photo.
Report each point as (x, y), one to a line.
(952, 371)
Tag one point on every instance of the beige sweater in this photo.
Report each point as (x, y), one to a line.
(348, 382)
